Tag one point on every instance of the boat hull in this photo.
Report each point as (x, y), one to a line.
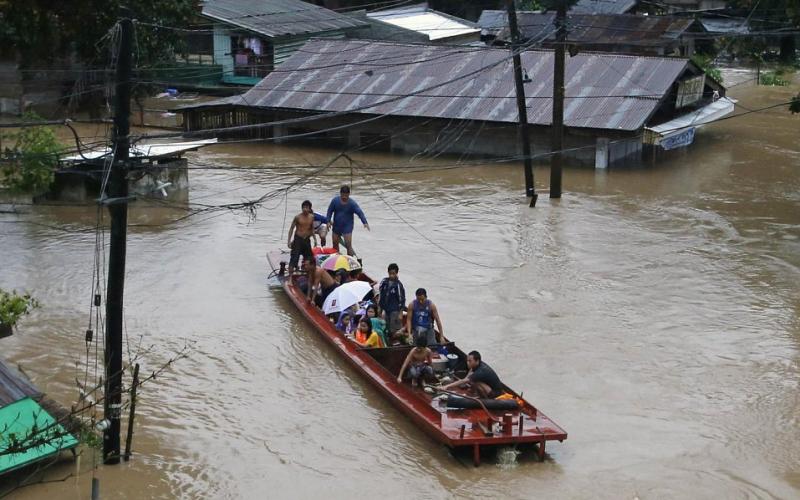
(462, 427)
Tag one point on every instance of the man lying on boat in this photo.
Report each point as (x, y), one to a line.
(481, 378)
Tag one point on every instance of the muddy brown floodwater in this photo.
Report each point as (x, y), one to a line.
(653, 314)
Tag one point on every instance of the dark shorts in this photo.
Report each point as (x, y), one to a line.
(300, 246)
(420, 370)
(324, 292)
(427, 332)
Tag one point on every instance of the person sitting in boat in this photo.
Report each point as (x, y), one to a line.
(378, 325)
(365, 336)
(318, 277)
(345, 322)
(421, 314)
(418, 362)
(300, 236)
(392, 300)
(481, 378)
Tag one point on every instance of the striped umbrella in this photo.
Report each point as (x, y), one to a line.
(336, 262)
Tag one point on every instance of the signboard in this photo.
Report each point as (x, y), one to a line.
(690, 91)
(678, 139)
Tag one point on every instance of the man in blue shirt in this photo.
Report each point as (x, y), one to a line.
(320, 228)
(340, 216)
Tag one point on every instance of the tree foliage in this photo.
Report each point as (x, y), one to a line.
(29, 166)
(41, 30)
(14, 306)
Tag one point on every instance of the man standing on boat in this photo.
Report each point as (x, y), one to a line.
(481, 378)
(340, 217)
(421, 315)
(300, 233)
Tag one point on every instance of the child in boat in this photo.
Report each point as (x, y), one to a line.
(420, 359)
(378, 325)
(345, 324)
(365, 336)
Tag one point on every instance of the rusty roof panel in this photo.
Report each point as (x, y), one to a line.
(605, 29)
(604, 91)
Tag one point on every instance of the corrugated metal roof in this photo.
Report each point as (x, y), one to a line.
(14, 386)
(435, 25)
(605, 29)
(155, 150)
(603, 6)
(604, 91)
(275, 18)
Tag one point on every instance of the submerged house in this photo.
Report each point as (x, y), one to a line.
(617, 33)
(461, 100)
(252, 37)
(416, 23)
(32, 428)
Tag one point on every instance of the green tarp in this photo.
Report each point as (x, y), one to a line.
(32, 428)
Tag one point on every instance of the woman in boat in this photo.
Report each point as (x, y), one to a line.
(420, 359)
(345, 323)
(365, 336)
(378, 324)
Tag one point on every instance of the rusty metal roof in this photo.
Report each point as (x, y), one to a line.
(14, 386)
(606, 29)
(274, 18)
(604, 91)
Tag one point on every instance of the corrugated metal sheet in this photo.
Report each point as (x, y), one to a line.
(275, 18)
(285, 47)
(605, 29)
(155, 150)
(424, 20)
(604, 91)
(14, 386)
(603, 6)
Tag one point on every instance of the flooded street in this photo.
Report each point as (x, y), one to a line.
(654, 313)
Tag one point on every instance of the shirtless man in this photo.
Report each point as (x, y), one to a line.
(420, 359)
(318, 276)
(300, 236)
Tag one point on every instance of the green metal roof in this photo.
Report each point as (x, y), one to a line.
(35, 431)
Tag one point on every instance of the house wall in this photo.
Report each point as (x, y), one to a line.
(222, 49)
(423, 136)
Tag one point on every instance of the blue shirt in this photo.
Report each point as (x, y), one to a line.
(342, 214)
(319, 220)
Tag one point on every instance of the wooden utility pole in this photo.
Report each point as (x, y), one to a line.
(557, 140)
(117, 202)
(522, 128)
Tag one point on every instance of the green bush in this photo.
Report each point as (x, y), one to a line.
(29, 166)
(773, 78)
(14, 306)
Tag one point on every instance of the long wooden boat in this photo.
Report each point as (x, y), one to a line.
(482, 425)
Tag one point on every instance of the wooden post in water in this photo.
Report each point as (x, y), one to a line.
(117, 202)
(557, 140)
(524, 137)
(129, 437)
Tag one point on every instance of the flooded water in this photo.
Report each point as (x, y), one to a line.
(654, 313)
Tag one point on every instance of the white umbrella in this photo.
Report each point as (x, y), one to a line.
(344, 296)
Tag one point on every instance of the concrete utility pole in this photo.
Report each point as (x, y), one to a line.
(522, 128)
(557, 140)
(117, 202)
